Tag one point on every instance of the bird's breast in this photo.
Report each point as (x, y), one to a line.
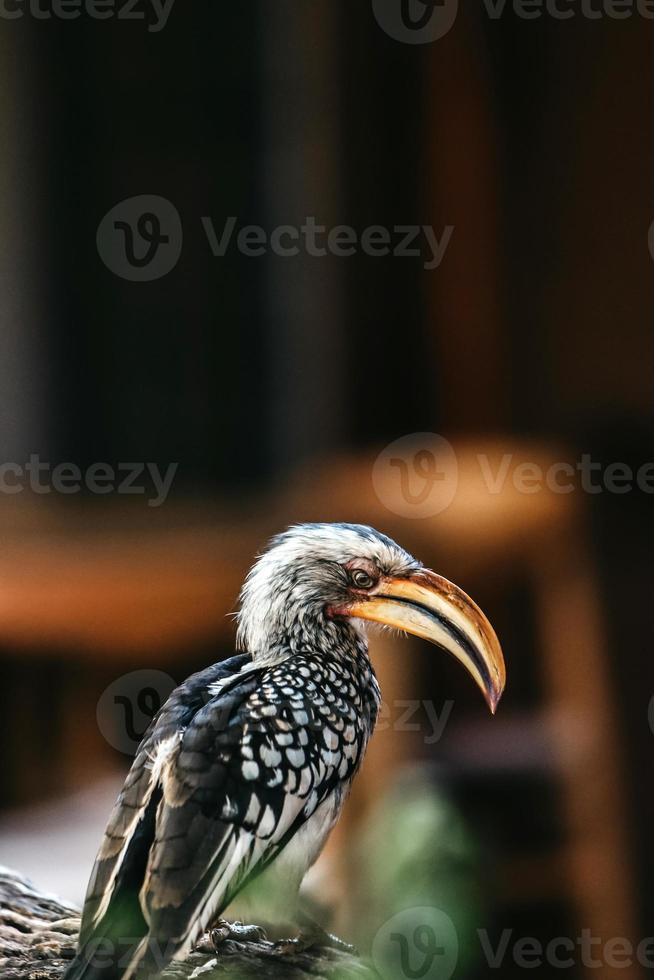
(272, 897)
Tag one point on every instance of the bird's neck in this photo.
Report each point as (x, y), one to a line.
(333, 638)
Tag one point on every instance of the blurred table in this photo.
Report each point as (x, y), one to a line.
(109, 584)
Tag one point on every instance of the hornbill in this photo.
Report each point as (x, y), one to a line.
(243, 772)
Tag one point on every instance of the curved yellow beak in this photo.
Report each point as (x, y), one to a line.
(427, 605)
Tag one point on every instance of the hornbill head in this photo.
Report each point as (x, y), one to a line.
(316, 583)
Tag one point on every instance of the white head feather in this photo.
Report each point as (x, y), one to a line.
(290, 586)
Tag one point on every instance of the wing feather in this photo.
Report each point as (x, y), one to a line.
(130, 818)
(223, 780)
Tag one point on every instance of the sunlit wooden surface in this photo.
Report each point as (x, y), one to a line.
(106, 578)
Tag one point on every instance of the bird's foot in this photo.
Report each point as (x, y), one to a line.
(236, 931)
(335, 942)
(311, 937)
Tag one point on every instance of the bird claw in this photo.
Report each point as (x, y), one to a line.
(335, 942)
(237, 932)
(330, 941)
(288, 947)
(310, 938)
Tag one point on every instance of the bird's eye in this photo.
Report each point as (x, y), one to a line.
(362, 579)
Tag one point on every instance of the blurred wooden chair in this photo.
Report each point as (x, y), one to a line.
(104, 586)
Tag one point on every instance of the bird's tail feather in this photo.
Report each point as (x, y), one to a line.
(119, 947)
(87, 969)
(141, 962)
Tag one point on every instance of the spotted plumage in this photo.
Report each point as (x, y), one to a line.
(244, 771)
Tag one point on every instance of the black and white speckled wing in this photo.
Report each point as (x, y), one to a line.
(131, 821)
(248, 772)
(236, 763)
